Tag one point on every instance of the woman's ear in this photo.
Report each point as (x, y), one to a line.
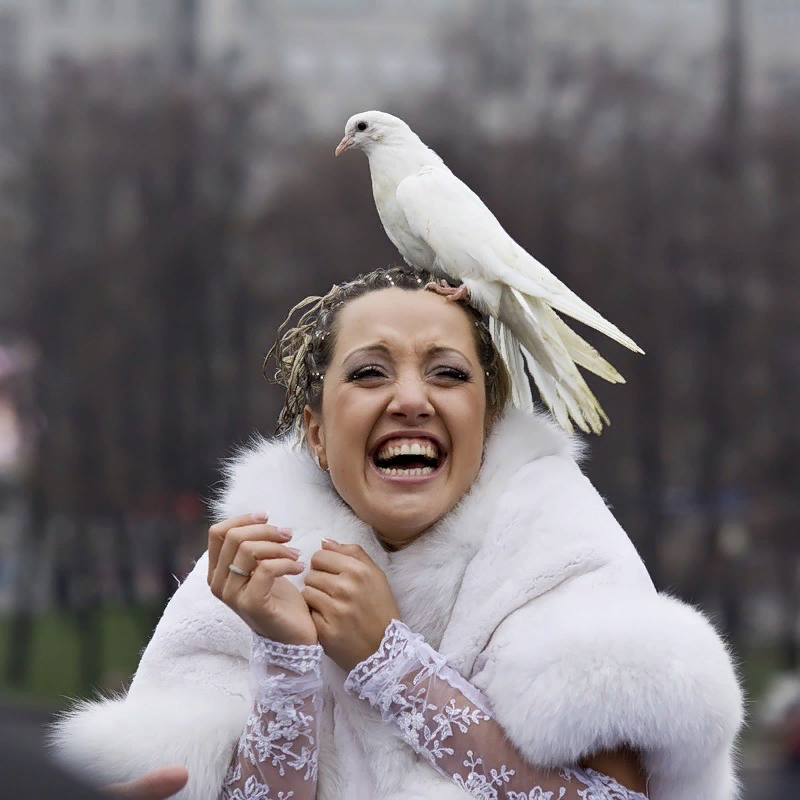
(315, 436)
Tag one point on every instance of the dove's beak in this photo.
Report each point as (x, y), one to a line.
(345, 144)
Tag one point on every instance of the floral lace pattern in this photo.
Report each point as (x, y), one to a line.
(276, 758)
(446, 720)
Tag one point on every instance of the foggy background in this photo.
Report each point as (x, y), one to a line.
(168, 191)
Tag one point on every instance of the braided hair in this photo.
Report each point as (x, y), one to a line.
(303, 351)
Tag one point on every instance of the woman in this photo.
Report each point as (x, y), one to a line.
(488, 628)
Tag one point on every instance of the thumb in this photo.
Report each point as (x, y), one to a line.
(157, 785)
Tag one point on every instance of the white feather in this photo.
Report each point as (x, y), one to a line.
(438, 223)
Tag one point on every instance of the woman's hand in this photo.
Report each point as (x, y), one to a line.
(623, 765)
(351, 602)
(262, 597)
(157, 785)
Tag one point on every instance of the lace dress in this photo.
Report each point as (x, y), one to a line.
(432, 708)
(276, 758)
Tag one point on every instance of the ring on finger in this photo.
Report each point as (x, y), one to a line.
(245, 573)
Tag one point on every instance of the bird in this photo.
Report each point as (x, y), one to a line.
(440, 225)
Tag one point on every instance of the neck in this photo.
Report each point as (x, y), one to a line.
(399, 543)
(401, 159)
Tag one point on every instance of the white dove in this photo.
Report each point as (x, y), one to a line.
(439, 224)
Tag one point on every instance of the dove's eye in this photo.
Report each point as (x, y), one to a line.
(362, 126)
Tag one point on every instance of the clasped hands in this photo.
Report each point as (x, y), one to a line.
(346, 604)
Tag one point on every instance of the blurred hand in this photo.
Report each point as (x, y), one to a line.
(157, 785)
(265, 600)
(351, 602)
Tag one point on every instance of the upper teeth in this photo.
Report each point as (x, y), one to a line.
(414, 449)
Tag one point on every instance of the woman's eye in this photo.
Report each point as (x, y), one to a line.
(365, 373)
(452, 374)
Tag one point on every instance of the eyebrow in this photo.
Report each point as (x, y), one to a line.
(384, 349)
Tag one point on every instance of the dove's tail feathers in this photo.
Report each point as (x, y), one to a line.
(560, 297)
(548, 391)
(552, 361)
(508, 347)
(583, 354)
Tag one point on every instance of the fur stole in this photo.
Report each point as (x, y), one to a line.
(529, 587)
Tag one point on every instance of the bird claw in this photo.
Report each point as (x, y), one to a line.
(451, 293)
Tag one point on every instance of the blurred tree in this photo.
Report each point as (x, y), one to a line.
(134, 187)
(162, 227)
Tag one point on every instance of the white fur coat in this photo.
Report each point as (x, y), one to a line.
(529, 587)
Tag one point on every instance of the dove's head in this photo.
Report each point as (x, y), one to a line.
(369, 129)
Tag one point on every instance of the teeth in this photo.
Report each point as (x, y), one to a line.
(415, 449)
(406, 473)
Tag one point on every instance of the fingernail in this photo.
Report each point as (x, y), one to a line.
(301, 564)
(286, 533)
(331, 542)
(261, 516)
(293, 551)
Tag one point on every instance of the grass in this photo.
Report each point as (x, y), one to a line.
(55, 672)
(54, 668)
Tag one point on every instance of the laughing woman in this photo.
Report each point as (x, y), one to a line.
(415, 593)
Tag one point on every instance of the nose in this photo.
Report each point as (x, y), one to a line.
(410, 401)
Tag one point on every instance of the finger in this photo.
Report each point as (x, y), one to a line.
(352, 550)
(331, 561)
(234, 538)
(259, 585)
(157, 785)
(247, 558)
(320, 623)
(318, 601)
(324, 581)
(217, 532)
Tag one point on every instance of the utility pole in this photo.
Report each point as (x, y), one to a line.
(716, 570)
(733, 77)
(508, 24)
(182, 298)
(186, 21)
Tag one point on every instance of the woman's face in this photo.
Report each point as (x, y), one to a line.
(403, 410)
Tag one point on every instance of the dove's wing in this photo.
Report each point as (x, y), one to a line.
(469, 242)
(445, 213)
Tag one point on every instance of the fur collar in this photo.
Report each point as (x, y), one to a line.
(529, 587)
(281, 478)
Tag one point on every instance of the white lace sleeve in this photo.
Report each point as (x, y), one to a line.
(449, 721)
(276, 758)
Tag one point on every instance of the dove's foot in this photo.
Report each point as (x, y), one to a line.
(451, 293)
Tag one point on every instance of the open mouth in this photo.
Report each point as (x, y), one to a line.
(408, 457)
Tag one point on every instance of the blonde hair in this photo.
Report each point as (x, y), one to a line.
(303, 351)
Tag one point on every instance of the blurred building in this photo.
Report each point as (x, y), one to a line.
(337, 57)
(37, 33)
(679, 38)
(17, 362)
